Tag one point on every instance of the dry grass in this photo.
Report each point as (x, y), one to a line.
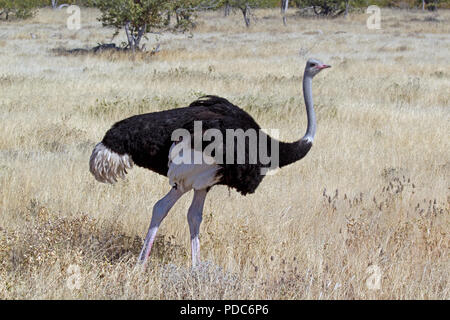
(372, 193)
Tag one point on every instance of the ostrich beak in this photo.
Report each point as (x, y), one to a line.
(324, 66)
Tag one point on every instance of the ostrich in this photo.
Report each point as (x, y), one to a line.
(146, 140)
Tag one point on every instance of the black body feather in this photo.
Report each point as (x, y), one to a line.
(147, 139)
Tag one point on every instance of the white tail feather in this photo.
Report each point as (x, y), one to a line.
(107, 165)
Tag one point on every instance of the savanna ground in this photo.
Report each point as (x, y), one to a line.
(364, 215)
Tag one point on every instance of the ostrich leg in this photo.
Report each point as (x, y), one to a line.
(160, 211)
(194, 219)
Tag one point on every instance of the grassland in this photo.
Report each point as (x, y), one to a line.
(370, 202)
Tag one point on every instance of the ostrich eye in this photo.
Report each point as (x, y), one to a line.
(313, 64)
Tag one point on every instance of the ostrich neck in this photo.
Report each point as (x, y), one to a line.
(307, 94)
(293, 151)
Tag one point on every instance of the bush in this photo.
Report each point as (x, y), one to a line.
(327, 7)
(245, 7)
(17, 9)
(139, 17)
(324, 7)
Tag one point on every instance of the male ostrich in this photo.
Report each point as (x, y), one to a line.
(146, 140)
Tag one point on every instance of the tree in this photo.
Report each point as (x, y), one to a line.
(331, 7)
(136, 16)
(245, 7)
(185, 10)
(324, 7)
(430, 5)
(17, 9)
(139, 17)
(227, 8)
(284, 8)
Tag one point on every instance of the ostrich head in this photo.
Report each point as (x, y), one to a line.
(314, 66)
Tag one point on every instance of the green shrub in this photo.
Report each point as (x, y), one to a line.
(139, 17)
(17, 9)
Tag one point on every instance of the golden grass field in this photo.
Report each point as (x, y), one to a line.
(365, 215)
